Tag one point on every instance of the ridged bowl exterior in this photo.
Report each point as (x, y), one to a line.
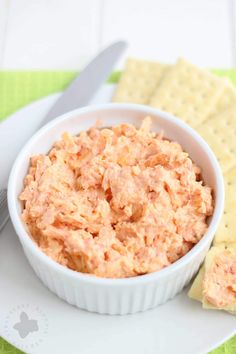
(113, 300)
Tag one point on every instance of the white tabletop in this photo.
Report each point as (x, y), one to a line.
(64, 34)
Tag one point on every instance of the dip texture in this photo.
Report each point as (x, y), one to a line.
(116, 202)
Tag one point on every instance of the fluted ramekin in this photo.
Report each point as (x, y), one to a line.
(128, 295)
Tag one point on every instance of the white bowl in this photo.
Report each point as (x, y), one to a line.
(128, 295)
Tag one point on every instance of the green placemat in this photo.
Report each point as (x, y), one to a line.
(18, 88)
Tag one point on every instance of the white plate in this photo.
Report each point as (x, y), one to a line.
(179, 326)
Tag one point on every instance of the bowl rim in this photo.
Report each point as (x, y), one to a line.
(27, 241)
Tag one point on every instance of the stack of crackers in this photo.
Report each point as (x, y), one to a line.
(207, 103)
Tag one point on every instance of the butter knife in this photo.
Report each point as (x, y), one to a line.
(78, 94)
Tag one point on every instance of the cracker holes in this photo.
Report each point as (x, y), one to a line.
(193, 109)
(179, 83)
(130, 93)
(146, 82)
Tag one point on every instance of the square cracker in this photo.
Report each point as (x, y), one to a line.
(220, 133)
(226, 231)
(138, 81)
(210, 259)
(188, 92)
(195, 291)
(227, 99)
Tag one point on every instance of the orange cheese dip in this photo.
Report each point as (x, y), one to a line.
(116, 202)
(219, 284)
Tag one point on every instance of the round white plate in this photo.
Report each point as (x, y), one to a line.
(36, 321)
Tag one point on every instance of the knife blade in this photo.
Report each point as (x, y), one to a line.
(82, 89)
(78, 94)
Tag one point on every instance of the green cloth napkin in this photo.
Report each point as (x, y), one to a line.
(18, 88)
